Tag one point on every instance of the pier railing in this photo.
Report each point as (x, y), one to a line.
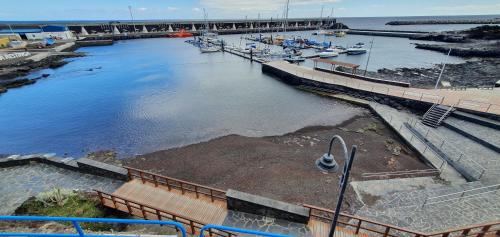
(171, 183)
(380, 89)
(394, 91)
(479, 106)
(377, 229)
(152, 213)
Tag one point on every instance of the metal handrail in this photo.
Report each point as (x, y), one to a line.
(239, 230)
(76, 224)
(401, 173)
(445, 114)
(479, 168)
(461, 194)
(430, 109)
(436, 98)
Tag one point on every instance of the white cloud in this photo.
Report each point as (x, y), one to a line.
(257, 5)
(172, 9)
(197, 9)
(142, 9)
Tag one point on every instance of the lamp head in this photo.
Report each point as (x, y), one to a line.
(327, 163)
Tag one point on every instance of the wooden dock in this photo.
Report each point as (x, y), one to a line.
(155, 197)
(474, 99)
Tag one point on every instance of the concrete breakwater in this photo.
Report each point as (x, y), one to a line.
(465, 50)
(439, 22)
(387, 33)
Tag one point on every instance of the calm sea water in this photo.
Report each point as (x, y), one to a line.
(152, 94)
(140, 96)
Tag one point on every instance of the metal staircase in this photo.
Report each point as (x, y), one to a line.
(436, 114)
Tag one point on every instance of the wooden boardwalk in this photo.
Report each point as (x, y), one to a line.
(480, 100)
(155, 197)
(199, 209)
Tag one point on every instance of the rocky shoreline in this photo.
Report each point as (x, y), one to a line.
(473, 73)
(13, 73)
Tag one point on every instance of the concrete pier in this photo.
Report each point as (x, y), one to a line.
(485, 102)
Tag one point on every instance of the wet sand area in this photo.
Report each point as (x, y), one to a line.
(283, 167)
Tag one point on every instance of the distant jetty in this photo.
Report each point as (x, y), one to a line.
(445, 22)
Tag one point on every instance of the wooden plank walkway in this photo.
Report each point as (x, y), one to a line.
(199, 209)
(321, 229)
(472, 99)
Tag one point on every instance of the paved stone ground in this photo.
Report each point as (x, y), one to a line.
(405, 209)
(397, 119)
(477, 130)
(266, 224)
(21, 182)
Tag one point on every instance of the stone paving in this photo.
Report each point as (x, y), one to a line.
(480, 131)
(21, 182)
(404, 209)
(266, 224)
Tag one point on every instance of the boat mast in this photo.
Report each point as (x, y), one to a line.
(132, 17)
(286, 14)
(369, 54)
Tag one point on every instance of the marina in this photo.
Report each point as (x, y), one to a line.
(262, 119)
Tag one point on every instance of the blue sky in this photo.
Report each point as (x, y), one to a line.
(190, 9)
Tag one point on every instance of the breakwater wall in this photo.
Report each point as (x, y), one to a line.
(445, 22)
(399, 34)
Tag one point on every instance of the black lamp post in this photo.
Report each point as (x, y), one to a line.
(327, 163)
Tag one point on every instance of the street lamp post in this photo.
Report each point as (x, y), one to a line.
(327, 163)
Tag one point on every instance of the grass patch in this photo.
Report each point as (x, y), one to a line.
(66, 204)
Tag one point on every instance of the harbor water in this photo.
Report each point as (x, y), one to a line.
(140, 96)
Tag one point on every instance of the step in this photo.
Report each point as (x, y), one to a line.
(477, 119)
(475, 132)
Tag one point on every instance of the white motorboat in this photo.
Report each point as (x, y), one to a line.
(356, 50)
(329, 53)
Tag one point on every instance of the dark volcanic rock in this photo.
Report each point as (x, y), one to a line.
(471, 50)
(471, 73)
(57, 64)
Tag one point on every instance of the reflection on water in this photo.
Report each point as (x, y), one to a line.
(139, 96)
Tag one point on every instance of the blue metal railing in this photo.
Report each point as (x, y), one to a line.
(238, 230)
(76, 220)
(80, 233)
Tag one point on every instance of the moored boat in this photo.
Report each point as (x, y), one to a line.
(356, 50)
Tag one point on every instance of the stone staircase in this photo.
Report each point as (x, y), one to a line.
(436, 114)
(404, 209)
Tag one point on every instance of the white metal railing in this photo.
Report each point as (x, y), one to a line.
(386, 90)
(450, 150)
(412, 137)
(429, 110)
(445, 114)
(469, 193)
(380, 89)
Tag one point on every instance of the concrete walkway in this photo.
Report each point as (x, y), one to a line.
(396, 120)
(473, 99)
(19, 183)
